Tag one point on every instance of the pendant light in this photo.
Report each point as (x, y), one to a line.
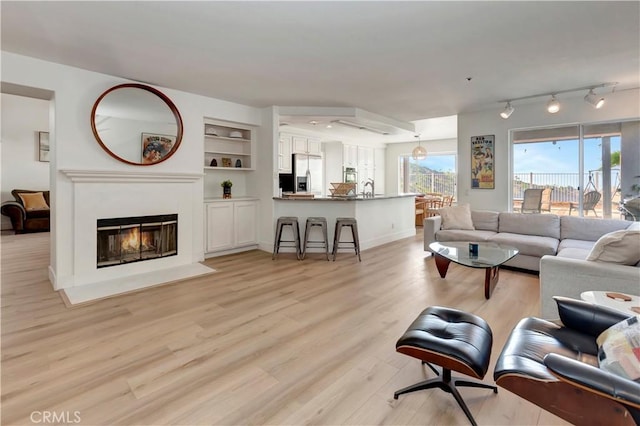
(419, 152)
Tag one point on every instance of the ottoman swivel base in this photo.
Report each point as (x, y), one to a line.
(454, 340)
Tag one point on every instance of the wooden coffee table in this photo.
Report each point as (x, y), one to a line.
(490, 257)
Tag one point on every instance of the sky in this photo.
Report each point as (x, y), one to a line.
(559, 157)
(439, 163)
(539, 157)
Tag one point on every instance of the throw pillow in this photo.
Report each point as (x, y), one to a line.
(621, 247)
(33, 201)
(456, 217)
(619, 349)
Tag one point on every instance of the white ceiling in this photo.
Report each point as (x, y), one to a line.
(403, 60)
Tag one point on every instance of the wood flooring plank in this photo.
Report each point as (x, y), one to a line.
(260, 342)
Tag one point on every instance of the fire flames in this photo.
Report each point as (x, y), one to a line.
(132, 242)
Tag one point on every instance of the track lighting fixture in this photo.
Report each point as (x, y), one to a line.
(593, 99)
(508, 110)
(553, 105)
(419, 152)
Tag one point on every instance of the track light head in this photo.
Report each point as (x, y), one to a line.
(508, 110)
(593, 99)
(553, 105)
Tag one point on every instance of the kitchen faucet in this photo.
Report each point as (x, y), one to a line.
(370, 183)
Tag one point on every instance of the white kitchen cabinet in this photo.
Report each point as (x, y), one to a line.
(350, 156)
(366, 163)
(231, 225)
(379, 170)
(284, 153)
(305, 145)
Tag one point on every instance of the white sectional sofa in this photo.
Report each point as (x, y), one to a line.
(557, 246)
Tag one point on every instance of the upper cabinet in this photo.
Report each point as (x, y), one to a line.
(284, 153)
(350, 156)
(305, 145)
(228, 146)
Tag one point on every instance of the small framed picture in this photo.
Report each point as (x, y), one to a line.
(155, 147)
(43, 147)
(226, 162)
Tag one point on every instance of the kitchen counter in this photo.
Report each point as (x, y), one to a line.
(381, 219)
(354, 198)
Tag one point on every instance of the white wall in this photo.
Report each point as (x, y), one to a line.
(397, 150)
(73, 147)
(22, 119)
(621, 105)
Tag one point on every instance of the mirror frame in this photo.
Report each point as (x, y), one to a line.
(156, 92)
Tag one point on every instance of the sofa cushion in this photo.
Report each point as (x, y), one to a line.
(456, 217)
(485, 220)
(545, 225)
(577, 244)
(463, 235)
(617, 247)
(574, 253)
(580, 228)
(532, 245)
(33, 201)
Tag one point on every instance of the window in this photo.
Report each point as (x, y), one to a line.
(573, 161)
(436, 173)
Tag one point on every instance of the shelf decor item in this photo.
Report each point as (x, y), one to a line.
(226, 162)
(226, 188)
(238, 163)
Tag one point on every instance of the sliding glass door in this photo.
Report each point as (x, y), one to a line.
(580, 164)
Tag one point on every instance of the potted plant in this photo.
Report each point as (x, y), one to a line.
(226, 188)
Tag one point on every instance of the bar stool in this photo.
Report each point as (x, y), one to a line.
(293, 223)
(322, 223)
(341, 222)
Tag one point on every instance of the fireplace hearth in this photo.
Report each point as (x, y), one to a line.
(134, 239)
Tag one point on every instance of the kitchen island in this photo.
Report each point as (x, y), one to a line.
(381, 219)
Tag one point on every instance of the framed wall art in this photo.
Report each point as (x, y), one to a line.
(482, 165)
(155, 147)
(43, 147)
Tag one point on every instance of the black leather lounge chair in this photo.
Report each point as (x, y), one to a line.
(555, 366)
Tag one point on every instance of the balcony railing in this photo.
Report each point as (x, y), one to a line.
(443, 183)
(565, 185)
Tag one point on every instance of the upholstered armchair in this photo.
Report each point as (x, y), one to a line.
(29, 212)
(556, 366)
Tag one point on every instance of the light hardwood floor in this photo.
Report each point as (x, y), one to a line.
(259, 342)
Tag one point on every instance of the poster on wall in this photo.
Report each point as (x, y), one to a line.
(156, 147)
(482, 171)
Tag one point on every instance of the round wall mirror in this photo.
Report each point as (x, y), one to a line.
(136, 124)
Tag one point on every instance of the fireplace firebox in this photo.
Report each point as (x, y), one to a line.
(133, 239)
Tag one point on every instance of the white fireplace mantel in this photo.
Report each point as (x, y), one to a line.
(100, 176)
(100, 194)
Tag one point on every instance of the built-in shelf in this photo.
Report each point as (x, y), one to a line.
(227, 146)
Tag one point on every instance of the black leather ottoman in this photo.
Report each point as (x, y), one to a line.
(453, 340)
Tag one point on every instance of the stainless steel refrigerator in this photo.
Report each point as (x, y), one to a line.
(307, 173)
